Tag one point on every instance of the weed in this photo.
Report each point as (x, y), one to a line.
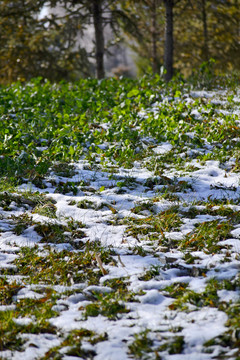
(22, 222)
(158, 180)
(153, 227)
(208, 297)
(117, 284)
(167, 195)
(175, 290)
(138, 209)
(48, 210)
(63, 169)
(72, 202)
(105, 306)
(75, 336)
(153, 272)
(86, 204)
(7, 291)
(57, 233)
(43, 129)
(174, 345)
(61, 268)
(207, 236)
(139, 250)
(25, 200)
(10, 338)
(38, 309)
(76, 351)
(111, 304)
(222, 209)
(7, 184)
(52, 354)
(68, 187)
(141, 346)
(73, 344)
(189, 258)
(128, 182)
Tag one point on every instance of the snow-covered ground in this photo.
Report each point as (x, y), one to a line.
(182, 288)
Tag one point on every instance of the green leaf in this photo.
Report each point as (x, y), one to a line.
(71, 150)
(133, 93)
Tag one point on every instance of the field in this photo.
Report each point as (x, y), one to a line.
(119, 220)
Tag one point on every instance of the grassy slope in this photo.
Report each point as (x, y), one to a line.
(44, 130)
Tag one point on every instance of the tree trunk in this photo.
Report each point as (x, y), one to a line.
(154, 38)
(205, 31)
(99, 37)
(168, 48)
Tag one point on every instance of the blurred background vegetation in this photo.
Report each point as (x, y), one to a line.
(72, 39)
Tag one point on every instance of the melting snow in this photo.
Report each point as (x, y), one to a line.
(151, 310)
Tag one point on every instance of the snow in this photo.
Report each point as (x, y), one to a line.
(228, 296)
(236, 233)
(163, 148)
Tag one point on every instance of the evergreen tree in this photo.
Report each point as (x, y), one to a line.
(51, 47)
(31, 46)
(99, 14)
(143, 26)
(169, 40)
(204, 30)
(99, 37)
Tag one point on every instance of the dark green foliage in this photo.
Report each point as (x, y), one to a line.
(33, 46)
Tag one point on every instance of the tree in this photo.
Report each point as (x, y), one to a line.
(31, 46)
(169, 43)
(224, 33)
(150, 17)
(99, 37)
(142, 23)
(90, 13)
(195, 31)
(207, 29)
(154, 20)
(187, 31)
(99, 14)
(154, 32)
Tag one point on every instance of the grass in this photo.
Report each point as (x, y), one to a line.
(27, 200)
(21, 223)
(113, 304)
(229, 338)
(86, 204)
(208, 298)
(63, 169)
(10, 333)
(69, 187)
(58, 233)
(206, 237)
(105, 306)
(52, 232)
(8, 290)
(60, 268)
(64, 147)
(141, 345)
(174, 346)
(168, 219)
(38, 311)
(152, 273)
(72, 345)
(153, 227)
